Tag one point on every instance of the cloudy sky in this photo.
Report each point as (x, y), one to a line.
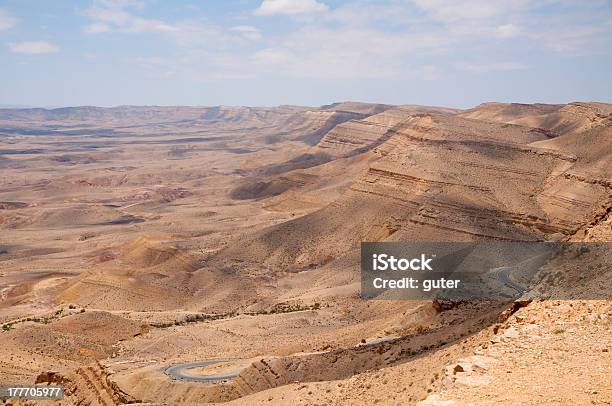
(308, 52)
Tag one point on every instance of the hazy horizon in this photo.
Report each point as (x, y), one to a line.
(9, 106)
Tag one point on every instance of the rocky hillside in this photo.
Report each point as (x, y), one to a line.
(436, 176)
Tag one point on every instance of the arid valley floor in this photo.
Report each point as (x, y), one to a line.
(133, 239)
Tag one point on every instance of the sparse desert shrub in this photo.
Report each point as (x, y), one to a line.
(419, 328)
(194, 318)
(291, 308)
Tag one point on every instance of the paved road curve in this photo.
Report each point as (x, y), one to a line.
(177, 371)
(503, 275)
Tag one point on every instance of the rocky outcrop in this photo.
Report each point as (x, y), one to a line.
(555, 119)
(88, 386)
(437, 177)
(356, 136)
(351, 137)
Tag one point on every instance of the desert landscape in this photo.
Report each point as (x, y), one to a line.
(196, 255)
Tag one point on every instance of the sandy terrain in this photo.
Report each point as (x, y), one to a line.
(133, 239)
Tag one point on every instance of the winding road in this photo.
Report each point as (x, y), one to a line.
(526, 268)
(178, 371)
(503, 275)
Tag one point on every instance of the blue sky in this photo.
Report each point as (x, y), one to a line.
(307, 52)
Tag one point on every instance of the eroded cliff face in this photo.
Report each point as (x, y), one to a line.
(450, 177)
(557, 119)
(358, 136)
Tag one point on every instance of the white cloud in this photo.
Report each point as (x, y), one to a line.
(290, 7)
(193, 35)
(508, 31)
(358, 13)
(118, 15)
(247, 31)
(452, 10)
(350, 52)
(490, 67)
(142, 24)
(6, 20)
(576, 40)
(33, 47)
(97, 28)
(362, 39)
